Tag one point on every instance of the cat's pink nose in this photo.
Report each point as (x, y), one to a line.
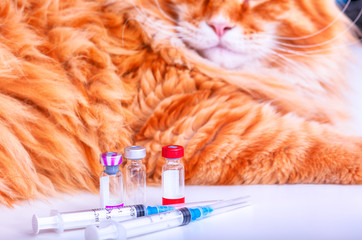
(220, 28)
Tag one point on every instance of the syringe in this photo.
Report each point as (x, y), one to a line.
(80, 219)
(111, 229)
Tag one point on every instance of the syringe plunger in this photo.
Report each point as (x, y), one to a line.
(44, 223)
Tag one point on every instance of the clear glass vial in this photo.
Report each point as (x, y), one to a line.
(173, 175)
(135, 175)
(111, 180)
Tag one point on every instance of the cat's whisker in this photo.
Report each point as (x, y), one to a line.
(163, 25)
(286, 59)
(281, 62)
(298, 51)
(154, 24)
(124, 27)
(301, 52)
(327, 41)
(288, 52)
(160, 30)
(164, 14)
(187, 38)
(341, 13)
(298, 68)
(138, 9)
(294, 53)
(280, 57)
(324, 50)
(146, 17)
(187, 32)
(276, 46)
(285, 63)
(187, 28)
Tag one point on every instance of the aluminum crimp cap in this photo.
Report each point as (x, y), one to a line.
(135, 152)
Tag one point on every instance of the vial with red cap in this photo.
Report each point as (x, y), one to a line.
(173, 175)
(111, 180)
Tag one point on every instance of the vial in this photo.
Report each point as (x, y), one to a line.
(111, 180)
(173, 175)
(135, 175)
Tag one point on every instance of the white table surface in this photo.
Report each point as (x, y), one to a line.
(277, 212)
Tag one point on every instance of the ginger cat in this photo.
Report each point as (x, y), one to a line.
(251, 88)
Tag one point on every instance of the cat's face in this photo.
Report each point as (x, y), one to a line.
(235, 33)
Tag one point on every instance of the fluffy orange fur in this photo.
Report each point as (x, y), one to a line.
(79, 77)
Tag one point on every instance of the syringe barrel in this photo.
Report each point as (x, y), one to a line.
(148, 224)
(157, 222)
(81, 219)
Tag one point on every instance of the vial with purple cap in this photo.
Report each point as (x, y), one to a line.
(111, 180)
